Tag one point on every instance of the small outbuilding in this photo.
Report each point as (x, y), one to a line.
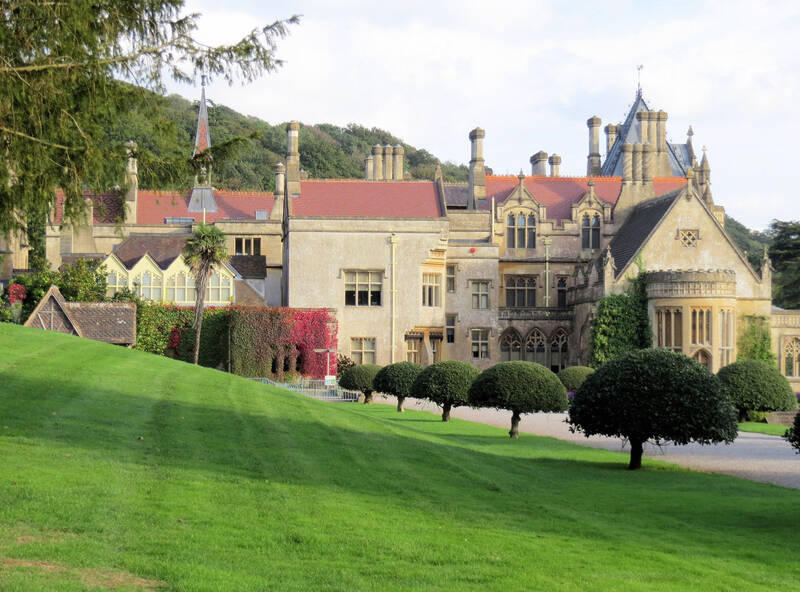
(110, 322)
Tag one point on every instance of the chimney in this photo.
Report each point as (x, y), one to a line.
(648, 161)
(593, 166)
(477, 173)
(399, 165)
(368, 170)
(661, 131)
(377, 162)
(388, 155)
(627, 164)
(637, 164)
(643, 118)
(131, 181)
(611, 137)
(555, 163)
(539, 163)
(280, 196)
(293, 158)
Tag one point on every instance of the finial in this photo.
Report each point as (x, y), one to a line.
(591, 181)
(521, 175)
(639, 80)
(704, 150)
(690, 133)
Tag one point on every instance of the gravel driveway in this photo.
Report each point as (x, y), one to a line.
(752, 456)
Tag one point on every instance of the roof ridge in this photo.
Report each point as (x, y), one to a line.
(348, 180)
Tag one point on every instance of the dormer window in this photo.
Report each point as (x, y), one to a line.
(590, 231)
(521, 231)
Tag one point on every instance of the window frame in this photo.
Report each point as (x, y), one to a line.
(358, 354)
(431, 289)
(358, 282)
(247, 245)
(479, 297)
(479, 340)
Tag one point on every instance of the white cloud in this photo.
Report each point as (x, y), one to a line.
(531, 73)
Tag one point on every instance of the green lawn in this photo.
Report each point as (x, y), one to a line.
(770, 429)
(123, 470)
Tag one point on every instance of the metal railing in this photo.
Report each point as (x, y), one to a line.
(316, 389)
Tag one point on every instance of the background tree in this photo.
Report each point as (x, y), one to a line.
(754, 385)
(755, 341)
(653, 394)
(785, 256)
(521, 387)
(204, 250)
(445, 383)
(59, 89)
(574, 376)
(360, 378)
(396, 379)
(792, 435)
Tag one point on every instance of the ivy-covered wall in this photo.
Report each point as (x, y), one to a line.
(621, 324)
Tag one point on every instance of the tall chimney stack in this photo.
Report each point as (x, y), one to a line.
(388, 158)
(399, 164)
(593, 166)
(131, 181)
(611, 137)
(648, 160)
(539, 163)
(637, 164)
(276, 213)
(643, 118)
(555, 164)
(368, 170)
(293, 158)
(627, 164)
(477, 172)
(377, 162)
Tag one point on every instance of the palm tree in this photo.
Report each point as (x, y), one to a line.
(203, 250)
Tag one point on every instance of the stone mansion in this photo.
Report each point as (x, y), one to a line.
(499, 268)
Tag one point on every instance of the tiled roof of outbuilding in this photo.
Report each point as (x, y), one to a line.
(351, 198)
(250, 267)
(112, 322)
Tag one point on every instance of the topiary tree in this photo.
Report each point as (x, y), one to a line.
(522, 387)
(792, 435)
(446, 384)
(753, 385)
(396, 379)
(653, 394)
(360, 378)
(343, 364)
(572, 378)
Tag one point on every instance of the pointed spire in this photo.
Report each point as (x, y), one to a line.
(704, 162)
(202, 139)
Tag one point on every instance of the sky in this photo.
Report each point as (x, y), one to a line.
(531, 73)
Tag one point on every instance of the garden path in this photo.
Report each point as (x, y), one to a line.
(757, 457)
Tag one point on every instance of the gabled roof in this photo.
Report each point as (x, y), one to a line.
(111, 322)
(250, 267)
(639, 225)
(163, 249)
(559, 194)
(629, 133)
(154, 207)
(350, 198)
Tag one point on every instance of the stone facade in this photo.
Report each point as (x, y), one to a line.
(502, 267)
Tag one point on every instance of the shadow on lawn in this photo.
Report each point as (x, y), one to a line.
(282, 440)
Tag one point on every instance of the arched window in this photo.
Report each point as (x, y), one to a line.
(180, 288)
(521, 231)
(219, 288)
(558, 351)
(148, 286)
(115, 282)
(562, 292)
(520, 291)
(590, 231)
(703, 357)
(535, 350)
(791, 357)
(510, 346)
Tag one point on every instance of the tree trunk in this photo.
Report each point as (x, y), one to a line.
(367, 398)
(446, 412)
(200, 287)
(400, 404)
(514, 432)
(636, 454)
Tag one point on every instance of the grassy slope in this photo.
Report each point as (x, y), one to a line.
(770, 429)
(236, 486)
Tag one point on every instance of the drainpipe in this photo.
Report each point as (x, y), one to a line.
(491, 230)
(393, 242)
(546, 242)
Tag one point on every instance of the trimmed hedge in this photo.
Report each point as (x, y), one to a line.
(445, 383)
(396, 379)
(793, 434)
(360, 378)
(522, 387)
(654, 394)
(572, 378)
(754, 385)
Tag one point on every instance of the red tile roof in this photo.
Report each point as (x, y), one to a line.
(154, 206)
(367, 199)
(558, 194)
(107, 207)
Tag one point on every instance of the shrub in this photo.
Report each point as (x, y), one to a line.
(653, 394)
(572, 378)
(793, 434)
(343, 364)
(446, 384)
(755, 341)
(360, 378)
(521, 387)
(753, 385)
(396, 379)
